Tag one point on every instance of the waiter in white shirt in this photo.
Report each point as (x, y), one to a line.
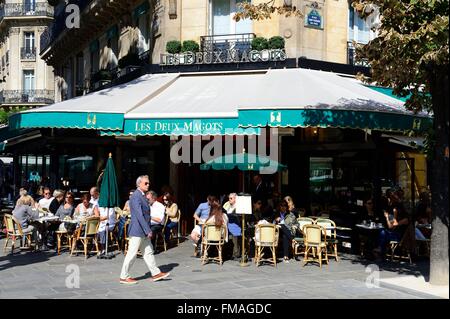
(157, 214)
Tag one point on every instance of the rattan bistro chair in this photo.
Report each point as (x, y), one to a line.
(60, 236)
(213, 236)
(266, 236)
(161, 234)
(178, 228)
(298, 243)
(86, 233)
(402, 249)
(315, 243)
(14, 231)
(330, 230)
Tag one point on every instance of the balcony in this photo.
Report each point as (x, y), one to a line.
(38, 9)
(351, 56)
(241, 42)
(28, 54)
(57, 41)
(27, 96)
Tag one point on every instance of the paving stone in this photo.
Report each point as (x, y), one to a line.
(43, 275)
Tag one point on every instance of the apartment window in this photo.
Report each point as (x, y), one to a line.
(113, 47)
(30, 5)
(28, 81)
(142, 22)
(29, 41)
(94, 56)
(358, 28)
(80, 71)
(222, 12)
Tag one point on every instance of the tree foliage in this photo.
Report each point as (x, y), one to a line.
(410, 47)
(262, 11)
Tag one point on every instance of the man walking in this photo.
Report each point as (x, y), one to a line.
(140, 234)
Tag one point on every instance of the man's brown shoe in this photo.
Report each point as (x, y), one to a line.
(160, 276)
(128, 281)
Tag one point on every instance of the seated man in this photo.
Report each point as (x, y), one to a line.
(157, 215)
(200, 216)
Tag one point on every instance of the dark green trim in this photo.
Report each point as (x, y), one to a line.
(94, 46)
(112, 32)
(333, 118)
(80, 120)
(141, 9)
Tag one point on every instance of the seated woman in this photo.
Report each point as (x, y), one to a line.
(57, 201)
(291, 206)
(126, 207)
(123, 218)
(288, 227)
(25, 214)
(218, 218)
(67, 209)
(234, 223)
(171, 212)
(396, 227)
(85, 208)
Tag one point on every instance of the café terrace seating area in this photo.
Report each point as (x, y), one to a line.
(319, 239)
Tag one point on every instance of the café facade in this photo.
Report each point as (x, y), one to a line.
(341, 141)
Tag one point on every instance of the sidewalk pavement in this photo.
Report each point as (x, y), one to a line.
(47, 275)
(418, 284)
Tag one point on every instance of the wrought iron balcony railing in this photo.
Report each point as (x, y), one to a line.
(241, 42)
(26, 9)
(28, 54)
(27, 96)
(351, 56)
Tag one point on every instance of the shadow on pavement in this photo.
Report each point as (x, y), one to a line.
(24, 259)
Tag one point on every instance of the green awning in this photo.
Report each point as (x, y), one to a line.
(9, 134)
(227, 104)
(112, 32)
(206, 126)
(388, 92)
(94, 46)
(141, 9)
(75, 120)
(333, 118)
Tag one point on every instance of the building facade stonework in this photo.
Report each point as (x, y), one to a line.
(25, 79)
(137, 32)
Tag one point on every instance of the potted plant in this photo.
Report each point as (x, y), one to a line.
(189, 48)
(260, 43)
(260, 47)
(276, 43)
(173, 47)
(276, 46)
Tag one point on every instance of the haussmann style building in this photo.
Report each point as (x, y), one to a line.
(127, 82)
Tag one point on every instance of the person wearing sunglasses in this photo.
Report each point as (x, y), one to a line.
(140, 235)
(44, 203)
(68, 208)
